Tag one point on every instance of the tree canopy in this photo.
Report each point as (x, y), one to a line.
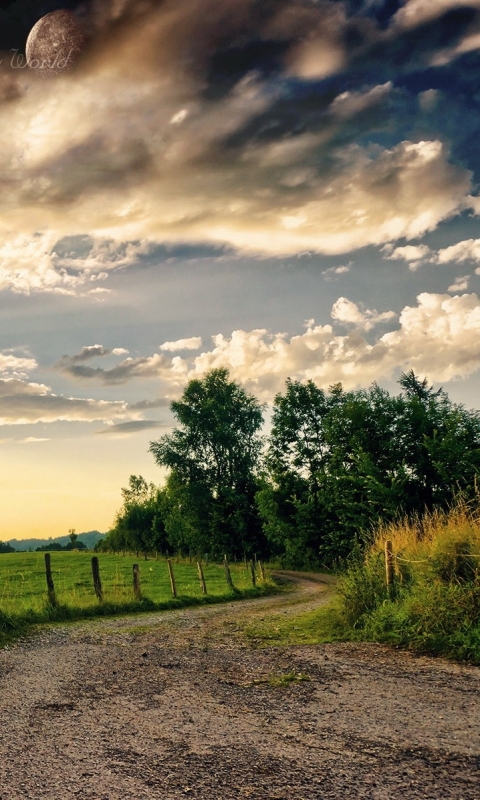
(334, 463)
(213, 457)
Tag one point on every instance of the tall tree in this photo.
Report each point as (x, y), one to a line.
(213, 457)
(340, 461)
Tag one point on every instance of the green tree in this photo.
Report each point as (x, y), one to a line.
(134, 522)
(340, 461)
(213, 458)
(440, 444)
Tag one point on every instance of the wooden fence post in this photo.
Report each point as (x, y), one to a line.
(389, 566)
(227, 574)
(201, 578)
(262, 570)
(136, 582)
(97, 583)
(52, 598)
(172, 578)
(252, 573)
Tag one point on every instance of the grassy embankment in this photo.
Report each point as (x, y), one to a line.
(23, 590)
(434, 606)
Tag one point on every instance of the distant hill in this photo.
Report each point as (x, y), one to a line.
(90, 538)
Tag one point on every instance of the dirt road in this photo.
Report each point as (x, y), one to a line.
(178, 704)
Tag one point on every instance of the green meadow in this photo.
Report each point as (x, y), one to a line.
(24, 599)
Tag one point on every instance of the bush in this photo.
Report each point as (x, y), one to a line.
(434, 606)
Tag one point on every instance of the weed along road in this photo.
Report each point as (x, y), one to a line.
(196, 703)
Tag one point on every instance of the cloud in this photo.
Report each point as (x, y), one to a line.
(12, 366)
(24, 403)
(135, 426)
(178, 127)
(439, 337)
(334, 272)
(43, 262)
(468, 250)
(416, 12)
(86, 354)
(194, 343)
(144, 367)
(347, 312)
(414, 255)
(460, 284)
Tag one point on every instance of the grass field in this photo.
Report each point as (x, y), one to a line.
(23, 588)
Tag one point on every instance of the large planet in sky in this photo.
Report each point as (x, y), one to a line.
(55, 43)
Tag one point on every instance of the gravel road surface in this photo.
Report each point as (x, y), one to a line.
(180, 704)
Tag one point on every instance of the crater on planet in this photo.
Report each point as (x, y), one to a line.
(55, 43)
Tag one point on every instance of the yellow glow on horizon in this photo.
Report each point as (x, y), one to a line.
(49, 487)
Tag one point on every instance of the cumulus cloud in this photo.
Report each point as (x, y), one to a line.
(414, 255)
(194, 343)
(24, 403)
(460, 284)
(439, 336)
(346, 311)
(468, 250)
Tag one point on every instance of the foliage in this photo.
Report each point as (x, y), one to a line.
(435, 603)
(334, 466)
(74, 544)
(213, 459)
(339, 462)
(6, 548)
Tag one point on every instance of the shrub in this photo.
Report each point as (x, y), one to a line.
(434, 606)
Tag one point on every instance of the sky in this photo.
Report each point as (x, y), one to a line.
(288, 188)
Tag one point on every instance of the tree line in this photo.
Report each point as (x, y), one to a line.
(332, 465)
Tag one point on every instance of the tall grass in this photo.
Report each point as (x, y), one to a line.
(434, 605)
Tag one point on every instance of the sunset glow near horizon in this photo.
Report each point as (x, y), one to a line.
(286, 189)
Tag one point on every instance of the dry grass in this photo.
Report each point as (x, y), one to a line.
(435, 604)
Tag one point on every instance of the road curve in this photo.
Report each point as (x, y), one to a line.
(178, 704)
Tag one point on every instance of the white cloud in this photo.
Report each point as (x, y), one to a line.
(468, 250)
(40, 263)
(98, 154)
(440, 337)
(469, 43)
(346, 311)
(412, 254)
(194, 343)
(12, 366)
(460, 284)
(333, 272)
